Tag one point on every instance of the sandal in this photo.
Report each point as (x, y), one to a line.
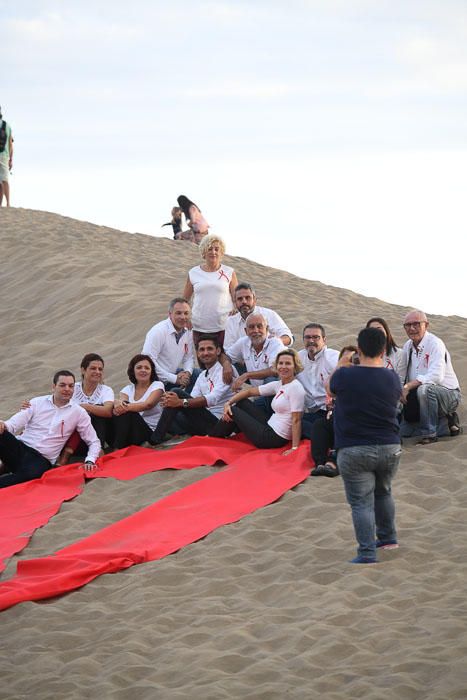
(454, 424)
(427, 440)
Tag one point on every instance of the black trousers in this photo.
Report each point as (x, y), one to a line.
(322, 439)
(129, 429)
(193, 421)
(104, 428)
(22, 462)
(253, 422)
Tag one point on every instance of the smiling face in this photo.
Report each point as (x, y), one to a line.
(313, 340)
(257, 329)
(94, 372)
(245, 301)
(213, 255)
(63, 390)
(180, 315)
(285, 368)
(142, 371)
(415, 325)
(208, 353)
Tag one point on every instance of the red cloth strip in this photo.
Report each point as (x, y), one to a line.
(249, 483)
(27, 506)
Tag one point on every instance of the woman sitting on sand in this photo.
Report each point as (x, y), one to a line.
(137, 411)
(393, 353)
(212, 285)
(285, 424)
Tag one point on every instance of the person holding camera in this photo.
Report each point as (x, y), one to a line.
(368, 443)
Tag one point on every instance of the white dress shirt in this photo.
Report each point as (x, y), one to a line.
(47, 427)
(235, 326)
(243, 351)
(211, 385)
(315, 374)
(430, 363)
(168, 355)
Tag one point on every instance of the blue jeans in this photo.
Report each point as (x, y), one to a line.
(435, 403)
(367, 472)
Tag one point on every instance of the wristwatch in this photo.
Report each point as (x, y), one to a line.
(185, 403)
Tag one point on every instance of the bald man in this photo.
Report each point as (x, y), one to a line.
(429, 382)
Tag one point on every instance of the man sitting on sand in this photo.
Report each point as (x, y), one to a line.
(319, 362)
(170, 346)
(46, 426)
(245, 301)
(431, 392)
(197, 413)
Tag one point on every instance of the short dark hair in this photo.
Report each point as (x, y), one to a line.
(371, 342)
(245, 285)
(63, 373)
(315, 325)
(208, 336)
(347, 348)
(134, 361)
(90, 357)
(178, 300)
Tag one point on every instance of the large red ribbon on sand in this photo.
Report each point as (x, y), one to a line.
(250, 482)
(25, 507)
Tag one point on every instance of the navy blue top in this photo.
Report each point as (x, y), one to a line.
(365, 412)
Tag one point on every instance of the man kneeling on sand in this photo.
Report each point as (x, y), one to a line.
(46, 426)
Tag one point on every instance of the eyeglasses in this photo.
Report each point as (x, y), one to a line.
(311, 337)
(414, 324)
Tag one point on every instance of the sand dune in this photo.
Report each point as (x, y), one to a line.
(266, 608)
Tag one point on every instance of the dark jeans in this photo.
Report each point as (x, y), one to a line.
(252, 421)
(129, 429)
(307, 422)
(193, 421)
(24, 463)
(322, 439)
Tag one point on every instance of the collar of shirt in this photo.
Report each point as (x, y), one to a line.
(318, 354)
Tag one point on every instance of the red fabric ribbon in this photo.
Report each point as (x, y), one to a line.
(252, 481)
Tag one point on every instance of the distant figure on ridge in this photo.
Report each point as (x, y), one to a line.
(6, 159)
(175, 222)
(196, 221)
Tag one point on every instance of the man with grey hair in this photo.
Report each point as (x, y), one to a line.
(256, 351)
(170, 345)
(245, 302)
(431, 392)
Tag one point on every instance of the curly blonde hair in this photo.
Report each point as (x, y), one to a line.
(209, 241)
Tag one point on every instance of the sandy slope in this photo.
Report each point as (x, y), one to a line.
(264, 608)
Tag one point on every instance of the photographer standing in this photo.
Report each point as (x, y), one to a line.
(368, 443)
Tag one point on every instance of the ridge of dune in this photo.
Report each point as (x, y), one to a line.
(266, 608)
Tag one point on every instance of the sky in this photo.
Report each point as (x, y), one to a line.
(324, 137)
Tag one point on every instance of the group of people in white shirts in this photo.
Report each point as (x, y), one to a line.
(217, 365)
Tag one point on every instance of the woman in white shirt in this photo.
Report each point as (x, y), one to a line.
(288, 404)
(137, 411)
(212, 285)
(392, 355)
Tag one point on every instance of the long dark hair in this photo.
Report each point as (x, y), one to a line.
(391, 344)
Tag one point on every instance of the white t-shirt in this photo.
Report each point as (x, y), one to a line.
(100, 395)
(288, 399)
(212, 301)
(153, 414)
(243, 351)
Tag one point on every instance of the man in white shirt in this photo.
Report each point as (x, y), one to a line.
(319, 362)
(170, 345)
(429, 380)
(245, 301)
(197, 413)
(45, 428)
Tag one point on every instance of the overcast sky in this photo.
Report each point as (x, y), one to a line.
(324, 137)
